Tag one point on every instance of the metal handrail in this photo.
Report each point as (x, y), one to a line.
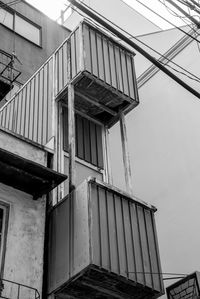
(19, 288)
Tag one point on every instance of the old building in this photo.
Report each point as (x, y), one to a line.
(28, 38)
(102, 241)
(163, 134)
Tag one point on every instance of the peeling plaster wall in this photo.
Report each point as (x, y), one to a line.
(25, 238)
(18, 146)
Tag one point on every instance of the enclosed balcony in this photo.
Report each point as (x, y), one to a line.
(102, 71)
(103, 244)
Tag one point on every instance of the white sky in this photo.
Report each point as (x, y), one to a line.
(52, 8)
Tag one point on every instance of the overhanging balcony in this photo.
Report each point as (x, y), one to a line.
(103, 245)
(102, 71)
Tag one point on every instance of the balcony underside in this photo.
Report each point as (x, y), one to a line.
(98, 283)
(98, 100)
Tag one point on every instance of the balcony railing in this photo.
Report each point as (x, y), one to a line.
(102, 71)
(14, 290)
(102, 241)
(7, 71)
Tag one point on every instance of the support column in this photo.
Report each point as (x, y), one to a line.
(71, 140)
(107, 156)
(126, 158)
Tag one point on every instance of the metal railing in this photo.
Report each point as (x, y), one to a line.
(7, 71)
(14, 290)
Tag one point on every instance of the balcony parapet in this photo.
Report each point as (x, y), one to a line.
(103, 240)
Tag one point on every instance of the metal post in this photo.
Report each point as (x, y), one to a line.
(71, 140)
(107, 158)
(126, 159)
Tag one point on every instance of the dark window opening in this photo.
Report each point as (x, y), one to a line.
(88, 138)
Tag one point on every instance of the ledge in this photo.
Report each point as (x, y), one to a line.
(27, 176)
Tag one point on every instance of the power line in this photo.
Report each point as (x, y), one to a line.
(185, 13)
(105, 22)
(169, 22)
(4, 5)
(195, 3)
(194, 78)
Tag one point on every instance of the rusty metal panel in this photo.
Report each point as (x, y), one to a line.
(28, 113)
(124, 237)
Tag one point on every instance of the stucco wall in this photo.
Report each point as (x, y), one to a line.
(164, 145)
(19, 146)
(25, 239)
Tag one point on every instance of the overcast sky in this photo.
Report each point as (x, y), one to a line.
(52, 9)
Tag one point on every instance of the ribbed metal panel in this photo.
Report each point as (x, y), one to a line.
(107, 229)
(29, 112)
(99, 67)
(124, 237)
(61, 67)
(108, 61)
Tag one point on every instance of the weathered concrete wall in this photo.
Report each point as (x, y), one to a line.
(31, 55)
(25, 238)
(18, 146)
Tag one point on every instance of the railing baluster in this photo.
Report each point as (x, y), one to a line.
(18, 291)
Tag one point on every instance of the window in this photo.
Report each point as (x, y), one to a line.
(88, 139)
(27, 30)
(6, 18)
(21, 26)
(4, 211)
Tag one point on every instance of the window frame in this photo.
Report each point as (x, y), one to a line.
(100, 165)
(15, 13)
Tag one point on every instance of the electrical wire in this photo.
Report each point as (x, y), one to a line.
(4, 5)
(195, 3)
(169, 22)
(194, 77)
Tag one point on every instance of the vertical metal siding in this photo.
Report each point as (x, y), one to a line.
(99, 226)
(109, 61)
(61, 67)
(28, 113)
(123, 237)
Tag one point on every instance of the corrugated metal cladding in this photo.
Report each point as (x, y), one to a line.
(61, 67)
(124, 237)
(88, 139)
(29, 111)
(102, 227)
(109, 61)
